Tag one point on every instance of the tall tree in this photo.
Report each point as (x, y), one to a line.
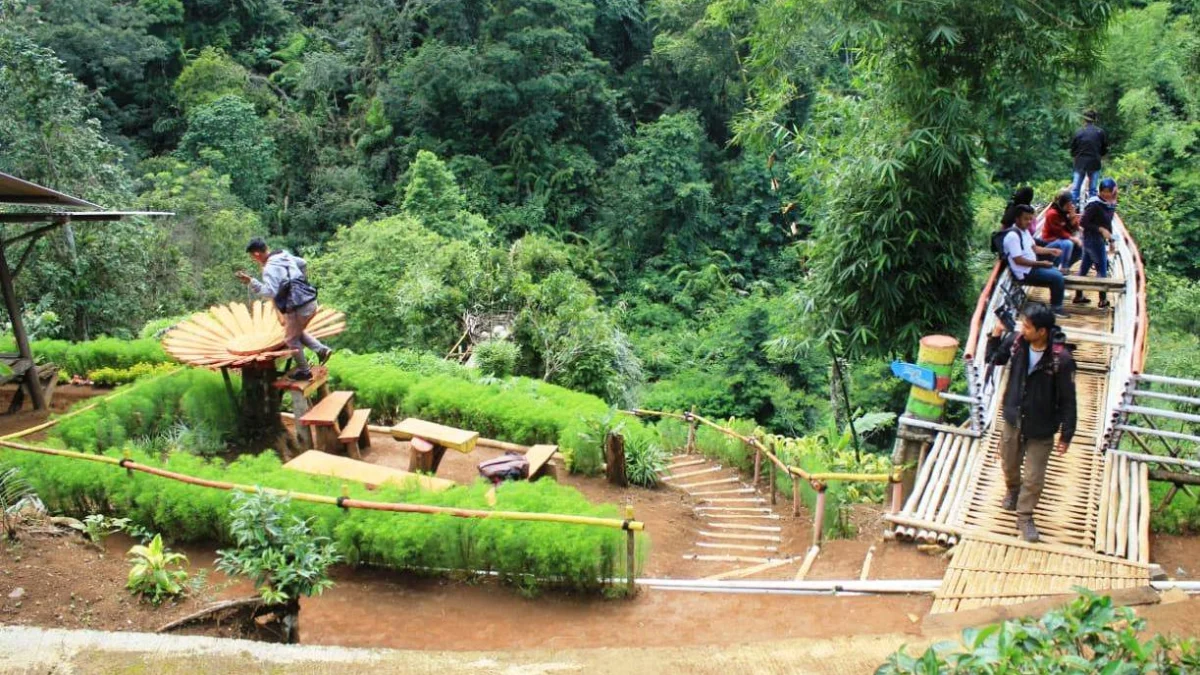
(889, 263)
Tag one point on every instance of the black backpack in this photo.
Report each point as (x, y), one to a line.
(998, 240)
(294, 292)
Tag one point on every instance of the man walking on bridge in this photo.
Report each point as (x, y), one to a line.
(1039, 402)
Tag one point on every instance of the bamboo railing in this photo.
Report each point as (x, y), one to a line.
(818, 481)
(628, 524)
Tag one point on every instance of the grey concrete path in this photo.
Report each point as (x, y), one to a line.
(54, 652)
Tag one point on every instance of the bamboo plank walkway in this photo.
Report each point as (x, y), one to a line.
(1094, 512)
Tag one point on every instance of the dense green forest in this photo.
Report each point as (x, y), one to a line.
(664, 202)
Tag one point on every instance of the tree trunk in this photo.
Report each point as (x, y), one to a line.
(259, 423)
(614, 455)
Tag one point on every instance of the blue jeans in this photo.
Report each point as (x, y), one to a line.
(1095, 254)
(1048, 277)
(1068, 256)
(1077, 184)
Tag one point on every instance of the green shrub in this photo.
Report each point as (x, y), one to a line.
(196, 397)
(155, 328)
(112, 377)
(1089, 635)
(156, 573)
(80, 358)
(527, 553)
(519, 410)
(423, 363)
(496, 358)
(644, 455)
(672, 433)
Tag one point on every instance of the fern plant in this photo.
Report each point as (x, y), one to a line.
(156, 574)
(13, 490)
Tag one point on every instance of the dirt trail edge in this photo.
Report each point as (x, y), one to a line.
(30, 650)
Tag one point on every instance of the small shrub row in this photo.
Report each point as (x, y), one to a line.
(575, 556)
(113, 377)
(81, 358)
(153, 408)
(518, 409)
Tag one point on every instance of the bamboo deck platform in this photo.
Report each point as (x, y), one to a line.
(1094, 512)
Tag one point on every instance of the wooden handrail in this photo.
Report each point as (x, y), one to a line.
(759, 447)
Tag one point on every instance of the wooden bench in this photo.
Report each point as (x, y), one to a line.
(429, 442)
(539, 457)
(327, 418)
(324, 464)
(355, 435)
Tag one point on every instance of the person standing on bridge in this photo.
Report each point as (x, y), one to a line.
(1097, 225)
(285, 281)
(1038, 403)
(1088, 147)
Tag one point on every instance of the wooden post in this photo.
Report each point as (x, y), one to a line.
(819, 516)
(772, 483)
(18, 326)
(757, 464)
(691, 437)
(795, 496)
(630, 552)
(299, 407)
(614, 455)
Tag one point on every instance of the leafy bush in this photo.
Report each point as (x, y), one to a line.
(80, 358)
(196, 397)
(644, 454)
(112, 377)
(424, 363)
(1089, 635)
(13, 490)
(496, 358)
(517, 409)
(155, 575)
(527, 553)
(156, 328)
(277, 551)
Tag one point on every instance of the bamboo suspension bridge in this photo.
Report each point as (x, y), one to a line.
(1094, 514)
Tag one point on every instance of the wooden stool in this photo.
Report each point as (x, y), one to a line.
(327, 419)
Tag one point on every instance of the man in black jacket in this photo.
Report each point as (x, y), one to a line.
(1038, 402)
(1087, 147)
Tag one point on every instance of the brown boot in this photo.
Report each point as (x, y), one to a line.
(1010, 500)
(1028, 530)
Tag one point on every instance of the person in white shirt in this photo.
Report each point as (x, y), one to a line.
(1021, 252)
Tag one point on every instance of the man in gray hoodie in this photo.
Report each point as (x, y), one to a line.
(285, 281)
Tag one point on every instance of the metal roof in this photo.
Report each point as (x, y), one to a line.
(13, 190)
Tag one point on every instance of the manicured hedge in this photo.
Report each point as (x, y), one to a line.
(518, 410)
(575, 556)
(195, 397)
(80, 358)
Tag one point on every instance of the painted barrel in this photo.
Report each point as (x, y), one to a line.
(937, 354)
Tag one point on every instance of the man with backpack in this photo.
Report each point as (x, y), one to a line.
(1038, 402)
(1017, 246)
(285, 281)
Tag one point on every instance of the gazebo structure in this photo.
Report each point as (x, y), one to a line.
(56, 209)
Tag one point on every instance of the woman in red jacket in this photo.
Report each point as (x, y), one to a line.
(1060, 230)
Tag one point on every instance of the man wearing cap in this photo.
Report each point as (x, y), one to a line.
(1088, 146)
(1096, 223)
(285, 281)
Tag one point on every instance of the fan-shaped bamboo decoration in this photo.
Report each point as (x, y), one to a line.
(236, 335)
